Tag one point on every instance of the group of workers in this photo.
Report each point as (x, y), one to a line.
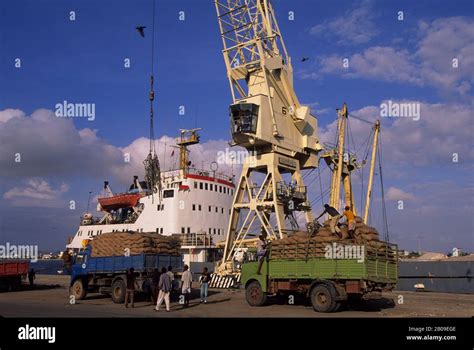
(163, 283)
(334, 226)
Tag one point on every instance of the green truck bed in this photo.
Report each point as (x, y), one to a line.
(303, 261)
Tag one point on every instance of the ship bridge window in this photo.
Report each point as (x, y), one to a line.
(195, 184)
(243, 118)
(210, 187)
(168, 193)
(205, 186)
(200, 185)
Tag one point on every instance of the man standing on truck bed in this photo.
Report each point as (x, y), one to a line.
(165, 288)
(349, 214)
(261, 252)
(186, 284)
(130, 287)
(335, 216)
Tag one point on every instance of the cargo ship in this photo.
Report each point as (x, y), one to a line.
(190, 202)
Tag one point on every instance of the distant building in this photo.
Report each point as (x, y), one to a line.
(456, 252)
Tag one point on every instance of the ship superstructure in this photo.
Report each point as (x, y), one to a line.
(193, 203)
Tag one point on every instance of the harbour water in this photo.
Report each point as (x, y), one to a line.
(48, 266)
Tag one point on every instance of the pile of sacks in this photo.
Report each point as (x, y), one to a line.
(362, 232)
(120, 243)
(300, 245)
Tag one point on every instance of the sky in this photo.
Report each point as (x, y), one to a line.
(47, 58)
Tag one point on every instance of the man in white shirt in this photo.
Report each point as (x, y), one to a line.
(186, 284)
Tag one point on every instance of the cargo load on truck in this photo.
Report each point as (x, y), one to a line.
(118, 243)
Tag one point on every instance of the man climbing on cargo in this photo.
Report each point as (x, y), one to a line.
(350, 217)
(335, 216)
(261, 252)
(186, 285)
(130, 293)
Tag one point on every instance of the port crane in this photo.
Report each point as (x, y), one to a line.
(268, 120)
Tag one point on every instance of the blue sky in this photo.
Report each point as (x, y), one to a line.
(83, 61)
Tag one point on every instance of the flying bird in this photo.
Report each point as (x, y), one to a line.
(141, 30)
(304, 59)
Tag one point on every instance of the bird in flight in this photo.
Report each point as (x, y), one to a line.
(141, 30)
(304, 59)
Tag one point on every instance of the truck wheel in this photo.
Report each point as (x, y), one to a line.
(254, 294)
(323, 298)
(78, 290)
(118, 291)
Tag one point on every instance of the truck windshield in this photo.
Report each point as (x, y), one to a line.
(79, 259)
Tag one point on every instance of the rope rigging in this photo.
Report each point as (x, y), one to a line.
(151, 163)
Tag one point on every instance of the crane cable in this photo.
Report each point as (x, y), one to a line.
(152, 163)
(384, 208)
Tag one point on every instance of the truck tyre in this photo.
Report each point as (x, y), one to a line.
(323, 298)
(255, 295)
(78, 290)
(118, 291)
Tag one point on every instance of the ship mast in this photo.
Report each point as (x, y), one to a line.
(187, 138)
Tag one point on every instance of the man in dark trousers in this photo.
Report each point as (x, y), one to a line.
(335, 216)
(155, 280)
(31, 276)
(130, 287)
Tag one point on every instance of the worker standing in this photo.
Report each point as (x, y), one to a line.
(349, 214)
(335, 216)
(261, 252)
(165, 288)
(155, 280)
(204, 281)
(130, 293)
(170, 273)
(31, 276)
(186, 285)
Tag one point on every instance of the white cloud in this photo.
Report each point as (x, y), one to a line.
(51, 146)
(443, 129)
(378, 63)
(354, 26)
(430, 64)
(396, 194)
(36, 193)
(10, 113)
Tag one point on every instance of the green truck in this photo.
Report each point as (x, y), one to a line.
(328, 273)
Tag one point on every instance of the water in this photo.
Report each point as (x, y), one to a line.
(48, 267)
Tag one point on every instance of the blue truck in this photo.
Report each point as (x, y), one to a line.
(107, 274)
